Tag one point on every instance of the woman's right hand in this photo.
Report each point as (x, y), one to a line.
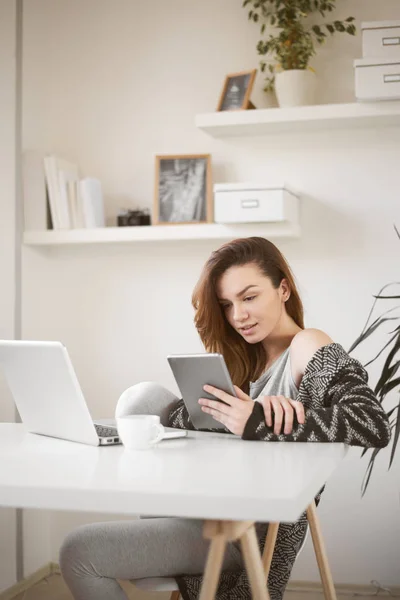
(284, 410)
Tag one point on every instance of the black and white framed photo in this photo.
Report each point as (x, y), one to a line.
(236, 91)
(183, 189)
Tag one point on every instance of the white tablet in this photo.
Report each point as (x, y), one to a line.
(192, 372)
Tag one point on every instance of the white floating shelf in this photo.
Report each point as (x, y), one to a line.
(161, 233)
(302, 118)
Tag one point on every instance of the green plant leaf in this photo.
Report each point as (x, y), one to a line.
(368, 473)
(294, 40)
(369, 331)
(382, 349)
(361, 338)
(391, 411)
(388, 370)
(390, 385)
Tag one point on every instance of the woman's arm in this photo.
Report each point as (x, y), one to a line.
(179, 417)
(339, 405)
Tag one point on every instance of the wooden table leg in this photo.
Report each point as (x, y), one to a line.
(221, 532)
(269, 547)
(254, 565)
(215, 557)
(320, 553)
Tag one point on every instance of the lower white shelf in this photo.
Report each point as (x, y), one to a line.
(204, 231)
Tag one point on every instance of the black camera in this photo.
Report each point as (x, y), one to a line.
(133, 218)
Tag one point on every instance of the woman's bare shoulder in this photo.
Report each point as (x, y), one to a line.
(303, 347)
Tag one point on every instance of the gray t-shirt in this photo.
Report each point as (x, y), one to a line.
(277, 380)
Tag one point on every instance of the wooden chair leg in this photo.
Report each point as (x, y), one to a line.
(254, 565)
(269, 547)
(320, 552)
(175, 595)
(213, 567)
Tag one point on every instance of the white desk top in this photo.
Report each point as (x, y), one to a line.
(208, 477)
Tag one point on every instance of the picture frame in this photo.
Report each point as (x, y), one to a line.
(183, 189)
(237, 90)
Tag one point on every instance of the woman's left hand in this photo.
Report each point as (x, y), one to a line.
(234, 414)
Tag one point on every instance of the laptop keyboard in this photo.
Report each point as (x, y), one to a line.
(103, 431)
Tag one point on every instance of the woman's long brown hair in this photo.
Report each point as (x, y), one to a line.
(245, 362)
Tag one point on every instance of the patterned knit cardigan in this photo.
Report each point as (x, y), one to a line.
(339, 407)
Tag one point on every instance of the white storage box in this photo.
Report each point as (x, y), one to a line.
(377, 79)
(254, 203)
(381, 39)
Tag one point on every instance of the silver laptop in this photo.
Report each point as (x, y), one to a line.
(48, 396)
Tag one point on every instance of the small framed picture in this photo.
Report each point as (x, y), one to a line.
(236, 91)
(183, 189)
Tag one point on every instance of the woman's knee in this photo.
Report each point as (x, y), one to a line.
(74, 556)
(148, 398)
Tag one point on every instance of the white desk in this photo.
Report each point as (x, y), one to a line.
(218, 478)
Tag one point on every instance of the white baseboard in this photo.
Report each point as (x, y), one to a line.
(300, 586)
(342, 589)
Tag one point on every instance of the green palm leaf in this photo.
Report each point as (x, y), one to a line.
(368, 472)
(382, 349)
(363, 336)
(388, 370)
(388, 381)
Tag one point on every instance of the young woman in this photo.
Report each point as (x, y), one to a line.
(306, 387)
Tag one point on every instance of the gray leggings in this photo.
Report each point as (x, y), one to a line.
(93, 557)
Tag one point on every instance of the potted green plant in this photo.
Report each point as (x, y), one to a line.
(292, 44)
(388, 380)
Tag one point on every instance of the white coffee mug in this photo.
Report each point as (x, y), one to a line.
(140, 432)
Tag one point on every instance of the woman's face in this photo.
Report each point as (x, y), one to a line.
(252, 306)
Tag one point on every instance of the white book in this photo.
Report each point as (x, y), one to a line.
(91, 198)
(34, 191)
(74, 204)
(59, 172)
(67, 172)
(69, 187)
(63, 200)
(50, 170)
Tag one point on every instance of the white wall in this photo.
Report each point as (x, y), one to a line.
(36, 551)
(7, 258)
(111, 84)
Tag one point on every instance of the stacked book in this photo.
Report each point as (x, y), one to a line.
(55, 197)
